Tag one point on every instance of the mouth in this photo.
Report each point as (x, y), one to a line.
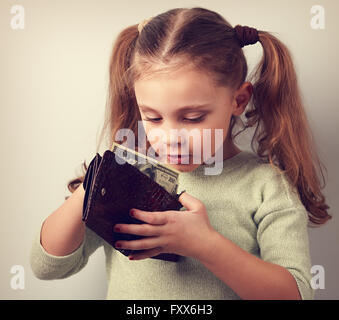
(178, 158)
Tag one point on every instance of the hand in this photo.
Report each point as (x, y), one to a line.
(180, 232)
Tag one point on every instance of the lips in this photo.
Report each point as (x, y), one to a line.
(178, 155)
(178, 158)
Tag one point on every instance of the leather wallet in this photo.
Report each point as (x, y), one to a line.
(114, 187)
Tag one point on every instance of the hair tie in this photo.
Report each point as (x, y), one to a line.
(142, 24)
(246, 35)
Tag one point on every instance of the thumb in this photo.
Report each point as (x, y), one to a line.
(189, 202)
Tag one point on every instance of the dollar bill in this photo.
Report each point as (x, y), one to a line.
(158, 172)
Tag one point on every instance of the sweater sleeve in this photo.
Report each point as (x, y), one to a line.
(46, 266)
(282, 231)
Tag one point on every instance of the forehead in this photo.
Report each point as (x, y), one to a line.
(181, 87)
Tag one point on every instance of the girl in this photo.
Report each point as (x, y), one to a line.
(243, 234)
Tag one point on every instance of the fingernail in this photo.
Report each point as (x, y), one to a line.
(131, 257)
(117, 229)
(132, 212)
(181, 193)
(118, 245)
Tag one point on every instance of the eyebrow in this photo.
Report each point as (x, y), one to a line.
(186, 108)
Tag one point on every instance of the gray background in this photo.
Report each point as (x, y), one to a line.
(53, 84)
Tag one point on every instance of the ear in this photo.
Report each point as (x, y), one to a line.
(241, 98)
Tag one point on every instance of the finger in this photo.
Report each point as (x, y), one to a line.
(144, 229)
(156, 217)
(145, 254)
(189, 202)
(140, 244)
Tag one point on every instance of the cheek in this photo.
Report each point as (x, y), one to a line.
(213, 139)
(148, 128)
(218, 132)
(144, 124)
(155, 139)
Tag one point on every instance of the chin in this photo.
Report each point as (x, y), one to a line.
(183, 167)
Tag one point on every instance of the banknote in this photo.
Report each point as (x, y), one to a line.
(160, 173)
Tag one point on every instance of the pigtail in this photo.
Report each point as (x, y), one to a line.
(285, 139)
(120, 102)
(121, 106)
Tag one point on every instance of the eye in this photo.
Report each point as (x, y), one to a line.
(186, 119)
(195, 119)
(152, 120)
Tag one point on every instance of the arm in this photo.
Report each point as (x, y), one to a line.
(283, 269)
(63, 244)
(63, 231)
(246, 274)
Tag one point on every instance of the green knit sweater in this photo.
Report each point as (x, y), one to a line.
(249, 203)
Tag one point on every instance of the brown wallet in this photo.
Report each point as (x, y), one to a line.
(112, 189)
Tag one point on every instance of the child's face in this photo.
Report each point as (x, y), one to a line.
(166, 95)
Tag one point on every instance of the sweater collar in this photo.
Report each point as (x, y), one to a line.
(228, 164)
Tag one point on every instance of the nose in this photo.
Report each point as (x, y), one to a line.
(173, 138)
